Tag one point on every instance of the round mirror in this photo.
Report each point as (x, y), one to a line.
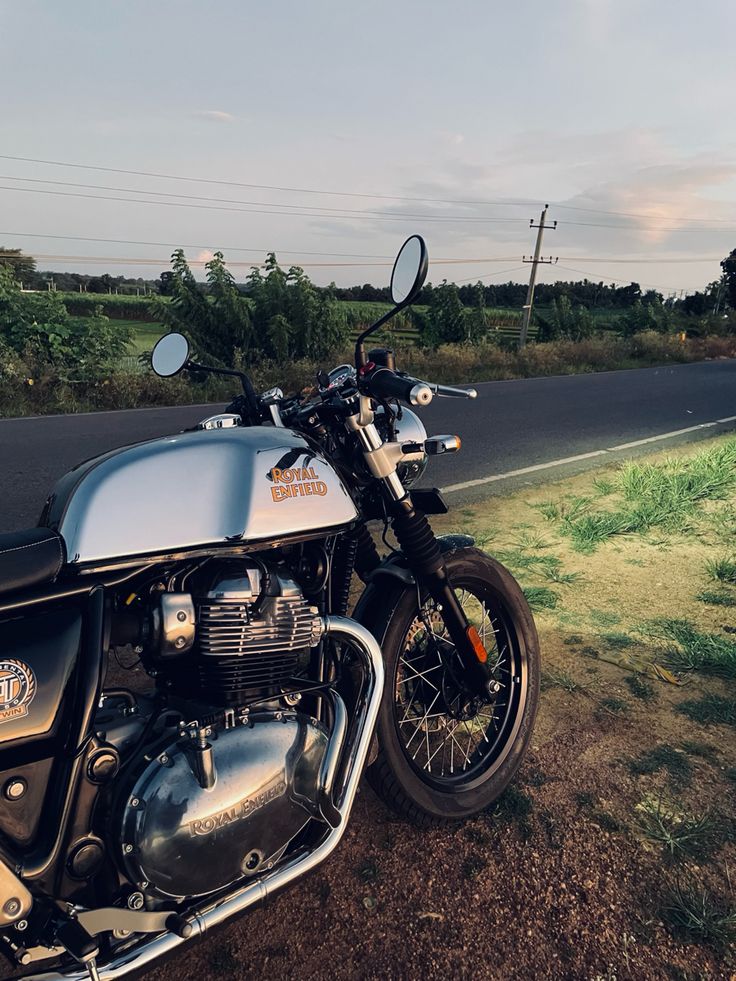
(170, 355)
(410, 270)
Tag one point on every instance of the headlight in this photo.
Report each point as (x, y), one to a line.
(409, 429)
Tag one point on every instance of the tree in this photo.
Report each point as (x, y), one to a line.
(640, 317)
(728, 265)
(219, 322)
(22, 266)
(39, 331)
(281, 315)
(445, 320)
(166, 283)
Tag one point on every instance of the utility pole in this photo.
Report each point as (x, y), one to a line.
(528, 306)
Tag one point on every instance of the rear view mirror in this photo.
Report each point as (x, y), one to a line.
(170, 355)
(410, 270)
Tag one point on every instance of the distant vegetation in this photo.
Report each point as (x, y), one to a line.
(62, 351)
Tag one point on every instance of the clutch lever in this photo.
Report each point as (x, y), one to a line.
(450, 392)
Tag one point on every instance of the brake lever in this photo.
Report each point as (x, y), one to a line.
(450, 392)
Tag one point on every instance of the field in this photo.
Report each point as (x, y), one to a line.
(613, 854)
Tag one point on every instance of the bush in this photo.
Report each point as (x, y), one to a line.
(38, 335)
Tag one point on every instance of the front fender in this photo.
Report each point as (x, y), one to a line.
(387, 582)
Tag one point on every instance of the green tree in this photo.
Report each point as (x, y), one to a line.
(217, 322)
(641, 316)
(22, 266)
(445, 321)
(728, 265)
(37, 328)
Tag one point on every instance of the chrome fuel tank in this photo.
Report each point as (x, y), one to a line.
(206, 487)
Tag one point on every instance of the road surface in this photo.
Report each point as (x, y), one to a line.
(514, 432)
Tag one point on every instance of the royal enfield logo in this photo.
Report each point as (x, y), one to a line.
(17, 688)
(242, 809)
(296, 482)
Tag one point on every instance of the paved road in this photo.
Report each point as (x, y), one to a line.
(512, 426)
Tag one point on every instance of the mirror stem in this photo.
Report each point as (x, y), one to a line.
(250, 392)
(360, 345)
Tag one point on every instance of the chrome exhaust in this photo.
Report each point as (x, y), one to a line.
(143, 955)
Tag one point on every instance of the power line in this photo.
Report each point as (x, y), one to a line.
(513, 203)
(628, 260)
(378, 216)
(291, 207)
(654, 286)
(260, 187)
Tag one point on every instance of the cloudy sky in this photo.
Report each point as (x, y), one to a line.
(458, 120)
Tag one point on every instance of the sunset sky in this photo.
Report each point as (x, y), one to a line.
(456, 120)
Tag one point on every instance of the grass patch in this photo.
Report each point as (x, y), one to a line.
(541, 598)
(696, 651)
(549, 510)
(616, 706)
(556, 575)
(559, 679)
(664, 757)
(693, 915)
(618, 641)
(640, 688)
(722, 570)
(695, 748)
(604, 618)
(514, 806)
(680, 834)
(655, 495)
(716, 597)
(710, 710)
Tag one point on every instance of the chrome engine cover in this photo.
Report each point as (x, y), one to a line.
(185, 841)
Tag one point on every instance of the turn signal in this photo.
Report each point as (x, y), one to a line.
(477, 644)
(442, 444)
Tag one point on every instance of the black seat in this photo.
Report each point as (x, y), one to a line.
(29, 558)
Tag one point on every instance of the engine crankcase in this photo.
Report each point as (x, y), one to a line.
(182, 840)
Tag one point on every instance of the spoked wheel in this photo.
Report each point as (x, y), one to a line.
(444, 752)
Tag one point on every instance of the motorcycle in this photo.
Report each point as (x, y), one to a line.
(131, 822)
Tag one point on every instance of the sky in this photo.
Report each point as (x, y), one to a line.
(458, 121)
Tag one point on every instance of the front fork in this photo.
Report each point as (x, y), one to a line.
(422, 551)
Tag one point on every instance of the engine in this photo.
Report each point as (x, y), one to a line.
(241, 774)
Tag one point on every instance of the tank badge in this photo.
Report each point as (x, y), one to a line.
(296, 482)
(17, 688)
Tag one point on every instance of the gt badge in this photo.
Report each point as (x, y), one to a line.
(17, 688)
(296, 482)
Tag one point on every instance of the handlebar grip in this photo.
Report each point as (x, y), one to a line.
(386, 384)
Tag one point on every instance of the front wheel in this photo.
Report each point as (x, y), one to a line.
(442, 756)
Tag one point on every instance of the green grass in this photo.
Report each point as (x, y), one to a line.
(710, 710)
(717, 597)
(640, 688)
(559, 679)
(541, 598)
(694, 650)
(723, 569)
(693, 915)
(604, 618)
(618, 640)
(145, 335)
(663, 757)
(655, 495)
(616, 706)
(680, 834)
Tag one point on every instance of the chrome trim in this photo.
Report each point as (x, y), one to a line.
(225, 420)
(421, 394)
(216, 487)
(144, 954)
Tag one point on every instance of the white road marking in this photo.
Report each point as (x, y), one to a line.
(479, 481)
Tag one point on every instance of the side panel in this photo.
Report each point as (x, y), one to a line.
(198, 488)
(37, 657)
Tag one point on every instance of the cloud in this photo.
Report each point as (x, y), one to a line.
(214, 115)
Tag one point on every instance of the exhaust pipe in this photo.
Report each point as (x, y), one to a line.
(147, 951)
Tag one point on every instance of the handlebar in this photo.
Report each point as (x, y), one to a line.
(383, 383)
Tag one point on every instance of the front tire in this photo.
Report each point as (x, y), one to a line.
(438, 762)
